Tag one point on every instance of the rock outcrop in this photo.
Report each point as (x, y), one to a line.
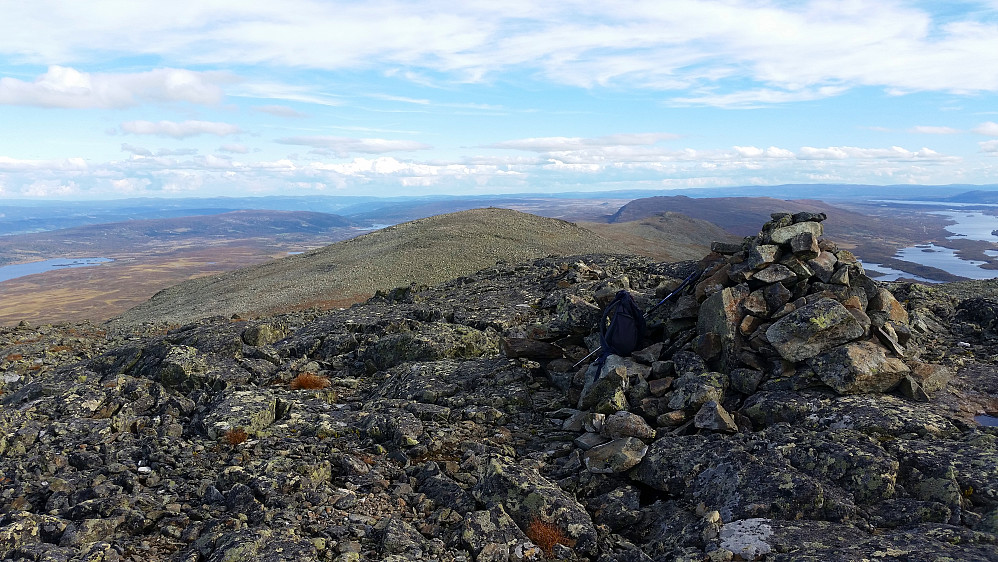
(788, 408)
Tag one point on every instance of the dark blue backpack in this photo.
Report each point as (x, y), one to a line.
(622, 327)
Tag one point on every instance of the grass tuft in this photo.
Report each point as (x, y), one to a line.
(546, 535)
(309, 381)
(235, 436)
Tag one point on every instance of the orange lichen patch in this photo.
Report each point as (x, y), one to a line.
(14, 357)
(546, 535)
(309, 381)
(235, 436)
(58, 348)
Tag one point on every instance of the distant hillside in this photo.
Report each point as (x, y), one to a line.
(976, 196)
(738, 215)
(666, 237)
(429, 251)
(110, 238)
(743, 215)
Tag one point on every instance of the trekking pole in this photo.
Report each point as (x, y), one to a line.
(678, 290)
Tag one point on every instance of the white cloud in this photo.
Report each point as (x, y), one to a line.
(771, 152)
(989, 128)
(145, 152)
(280, 111)
(775, 52)
(757, 97)
(990, 147)
(9, 164)
(346, 145)
(66, 87)
(932, 130)
(234, 148)
(180, 130)
(130, 186)
(50, 188)
(852, 152)
(551, 144)
(136, 150)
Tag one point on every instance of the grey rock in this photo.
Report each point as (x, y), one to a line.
(251, 411)
(525, 494)
(494, 527)
(713, 417)
(589, 440)
(858, 368)
(784, 234)
(693, 391)
(776, 273)
(808, 331)
(626, 424)
(616, 456)
(745, 381)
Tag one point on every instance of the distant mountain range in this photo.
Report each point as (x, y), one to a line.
(25, 216)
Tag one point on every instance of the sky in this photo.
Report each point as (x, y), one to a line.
(116, 99)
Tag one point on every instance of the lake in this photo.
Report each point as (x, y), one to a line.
(969, 225)
(9, 272)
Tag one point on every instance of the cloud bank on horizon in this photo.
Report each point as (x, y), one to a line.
(107, 99)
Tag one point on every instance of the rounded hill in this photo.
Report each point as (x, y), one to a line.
(424, 251)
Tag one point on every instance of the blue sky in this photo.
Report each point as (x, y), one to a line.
(112, 99)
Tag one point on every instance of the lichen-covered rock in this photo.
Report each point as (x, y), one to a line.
(606, 395)
(251, 411)
(437, 341)
(690, 392)
(713, 417)
(526, 496)
(785, 234)
(262, 334)
(721, 314)
(858, 368)
(808, 331)
(489, 529)
(616, 456)
(626, 424)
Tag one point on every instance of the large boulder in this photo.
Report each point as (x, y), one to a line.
(858, 368)
(812, 329)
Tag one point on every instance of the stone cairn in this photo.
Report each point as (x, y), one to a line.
(783, 310)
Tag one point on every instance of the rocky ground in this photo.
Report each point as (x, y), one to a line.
(788, 408)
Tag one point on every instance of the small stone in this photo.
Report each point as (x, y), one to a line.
(589, 440)
(776, 273)
(745, 381)
(659, 387)
(761, 256)
(805, 246)
(674, 418)
(616, 456)
(714, 417)
(626, 424)
(823, 266)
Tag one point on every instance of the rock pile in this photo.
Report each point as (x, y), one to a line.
(784, 310)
